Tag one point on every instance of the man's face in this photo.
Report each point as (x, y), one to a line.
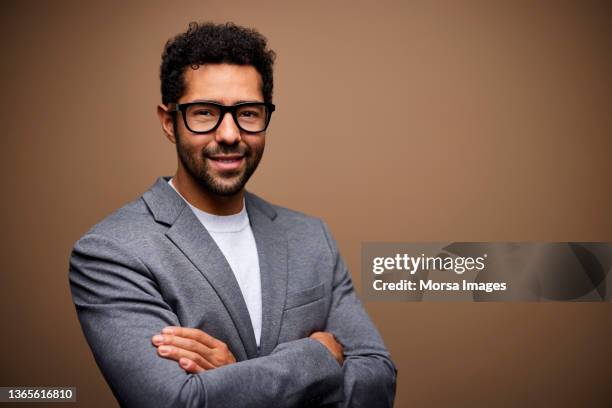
(221, 161)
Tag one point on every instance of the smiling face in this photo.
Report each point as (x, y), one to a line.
(221, 161)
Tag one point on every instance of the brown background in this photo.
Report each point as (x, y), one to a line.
(396, 121)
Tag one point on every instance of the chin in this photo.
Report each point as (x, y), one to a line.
(228, 192)
(227, 189)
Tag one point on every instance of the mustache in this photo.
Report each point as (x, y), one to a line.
(221, 149)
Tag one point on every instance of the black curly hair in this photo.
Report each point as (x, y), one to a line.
(212, 43)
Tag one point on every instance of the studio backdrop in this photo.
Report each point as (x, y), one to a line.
(415, 121)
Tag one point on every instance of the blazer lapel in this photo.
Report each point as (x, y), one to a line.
(271, 241)
(190, 236)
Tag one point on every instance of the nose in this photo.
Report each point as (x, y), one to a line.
(227, 132)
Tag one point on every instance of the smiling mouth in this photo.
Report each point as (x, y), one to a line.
(226, 159)
(226, 163)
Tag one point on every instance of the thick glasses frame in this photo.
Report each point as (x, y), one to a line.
(182, 107)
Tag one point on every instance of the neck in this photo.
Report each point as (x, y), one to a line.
(205, 200)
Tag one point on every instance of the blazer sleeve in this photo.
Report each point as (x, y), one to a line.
(120, 307)
(369, 374)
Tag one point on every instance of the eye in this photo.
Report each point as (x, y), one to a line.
(250, 113)
(203, 112)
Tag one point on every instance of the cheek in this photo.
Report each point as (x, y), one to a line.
(255, 144)
(193, 147)
(193, 154)
(190, 144)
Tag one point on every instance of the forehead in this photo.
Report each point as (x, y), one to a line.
(224, 83)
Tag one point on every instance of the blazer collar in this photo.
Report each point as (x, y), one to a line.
(166, 205)
(187, 233)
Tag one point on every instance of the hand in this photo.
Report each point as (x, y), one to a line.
(329, 341)
(194, 350)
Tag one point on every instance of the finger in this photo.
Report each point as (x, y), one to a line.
(184, 343)
(217, 357)
(175, 353)
(331, 336)
(222, 355)
(189, 366)
(191, 333)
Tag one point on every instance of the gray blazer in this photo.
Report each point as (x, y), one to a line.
(152, 264)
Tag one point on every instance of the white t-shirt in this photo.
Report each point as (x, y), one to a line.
(234, 237)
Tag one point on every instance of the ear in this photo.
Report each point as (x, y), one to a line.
(165, 118)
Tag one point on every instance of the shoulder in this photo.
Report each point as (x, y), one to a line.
(128, 224)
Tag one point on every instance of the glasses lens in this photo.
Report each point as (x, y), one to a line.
(202, 117)
(252, 117)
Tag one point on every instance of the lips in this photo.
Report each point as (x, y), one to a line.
(226, 162)
(227, 158)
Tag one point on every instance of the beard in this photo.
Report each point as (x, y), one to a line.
(226, 183)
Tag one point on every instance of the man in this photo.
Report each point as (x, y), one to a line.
(201, 294)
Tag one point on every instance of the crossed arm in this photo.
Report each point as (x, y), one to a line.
(197, 351)
(120, 308)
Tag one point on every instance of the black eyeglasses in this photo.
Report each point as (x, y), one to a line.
(204, 117)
